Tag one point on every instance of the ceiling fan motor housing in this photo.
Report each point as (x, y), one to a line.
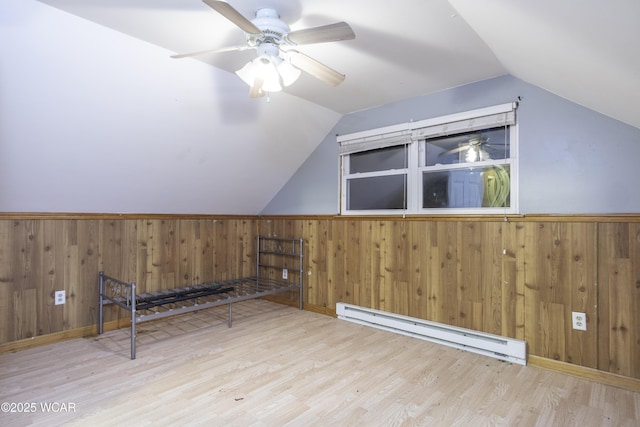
(273, 28)
(268, 52)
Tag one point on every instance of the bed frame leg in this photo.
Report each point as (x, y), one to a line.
(301, 269)
(229, 321)
(100, 292)
(133, 321)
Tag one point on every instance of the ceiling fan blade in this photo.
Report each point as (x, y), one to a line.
(313, 67)
(454, 150)
(210, 51)
(256, 90)
(326, 33)
(226, 10)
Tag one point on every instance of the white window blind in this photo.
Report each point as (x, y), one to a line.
(405, 133)
(374, 142)
(466, 125)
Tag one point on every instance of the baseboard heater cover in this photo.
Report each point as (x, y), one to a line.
(496, 346)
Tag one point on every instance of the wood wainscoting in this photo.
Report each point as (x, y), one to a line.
(41, 254)
(520, 278)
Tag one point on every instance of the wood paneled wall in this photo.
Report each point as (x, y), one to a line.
(41, 256)
(520, 278)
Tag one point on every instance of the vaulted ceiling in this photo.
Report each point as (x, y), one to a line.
(91, 82)
(585, 51)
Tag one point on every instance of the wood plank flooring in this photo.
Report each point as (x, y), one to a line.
(280, 366)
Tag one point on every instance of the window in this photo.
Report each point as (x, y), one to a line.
(463, 163)
(379, 179)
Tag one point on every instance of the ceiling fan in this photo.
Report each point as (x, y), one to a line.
(278, 63)
(475, 149)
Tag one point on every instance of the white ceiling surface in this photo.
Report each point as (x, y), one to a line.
(93, 120)
(583, 50)
(402, 49)
(587, 51)
(190, 138)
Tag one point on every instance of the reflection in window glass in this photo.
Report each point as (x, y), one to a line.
(379, 192)
(378, 160)
(467, 188)
(488, 144)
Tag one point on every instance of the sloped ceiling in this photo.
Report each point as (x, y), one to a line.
(185, 133)
(94, 120)
(585, 51)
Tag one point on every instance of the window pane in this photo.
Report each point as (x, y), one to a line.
(378, 160)
(467, 188)
(468, 147)
(379, 192)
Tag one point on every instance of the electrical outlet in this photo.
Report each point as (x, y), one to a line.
(59, 297)
(579, 320)
(285, 273)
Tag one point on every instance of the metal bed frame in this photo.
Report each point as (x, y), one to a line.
(278, 269)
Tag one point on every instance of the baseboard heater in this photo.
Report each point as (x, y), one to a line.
(495, 346)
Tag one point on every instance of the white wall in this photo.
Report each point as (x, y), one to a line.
(92, 120)
(572, 160)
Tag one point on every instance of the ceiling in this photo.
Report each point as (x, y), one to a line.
(585, 51)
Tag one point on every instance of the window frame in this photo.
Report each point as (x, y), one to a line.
(413, 136)
(410, 186)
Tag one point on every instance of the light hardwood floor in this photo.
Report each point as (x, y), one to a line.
(280, 366)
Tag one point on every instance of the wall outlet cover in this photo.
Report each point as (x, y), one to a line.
(579, 320)
(59, 297)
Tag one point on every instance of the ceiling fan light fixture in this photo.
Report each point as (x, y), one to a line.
(288, 72)
(261, 68)
(273, 71)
